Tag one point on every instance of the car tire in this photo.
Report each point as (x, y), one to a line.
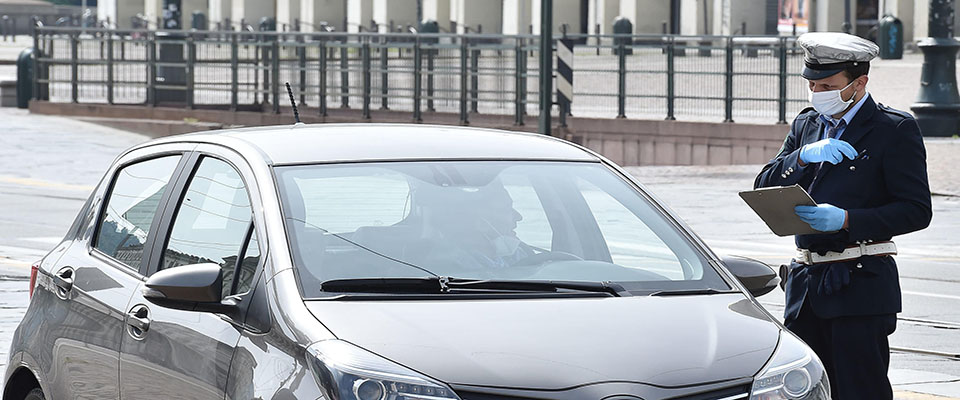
(35, 394)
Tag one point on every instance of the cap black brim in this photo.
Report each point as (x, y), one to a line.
(815, 74)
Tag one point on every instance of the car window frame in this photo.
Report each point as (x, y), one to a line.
(184, 150)
(171, 208)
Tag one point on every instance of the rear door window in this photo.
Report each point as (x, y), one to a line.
(131, 206)
(212, 225)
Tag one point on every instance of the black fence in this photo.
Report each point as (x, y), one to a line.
(703, 78)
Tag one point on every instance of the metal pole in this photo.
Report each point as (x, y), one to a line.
(109, 67)
(275, 74)
(546, 64)
(191, 67)
(322, 59)
(365, 56)
(234, 71)
(344, 74)
(518, 72)
(728, 93)
(417, 79)
(463, 79)
(152, 69)
(73, 67)
(36, 62)
(782, 99)
(474, 79)
(938, 104)
(384, 66)
(847, 27)
(671, 45)
(621, 79)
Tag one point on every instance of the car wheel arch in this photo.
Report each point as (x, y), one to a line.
(21, 382)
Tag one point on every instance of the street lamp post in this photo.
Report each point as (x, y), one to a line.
(546, 64)
(938, 104)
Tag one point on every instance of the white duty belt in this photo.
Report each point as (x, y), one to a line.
(851, 253)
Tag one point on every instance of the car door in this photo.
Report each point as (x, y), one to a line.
(169, 353)
(84, 294)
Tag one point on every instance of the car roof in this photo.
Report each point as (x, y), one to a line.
(320, 143)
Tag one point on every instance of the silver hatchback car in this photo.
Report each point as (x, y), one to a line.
(392, 262)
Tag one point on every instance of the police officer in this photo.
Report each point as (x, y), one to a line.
(865, 166)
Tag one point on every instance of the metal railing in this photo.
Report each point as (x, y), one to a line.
(702, 78)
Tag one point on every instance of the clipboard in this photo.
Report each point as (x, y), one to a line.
(775, 206)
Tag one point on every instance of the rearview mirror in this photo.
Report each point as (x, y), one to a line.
(194, 287)
(756, 275)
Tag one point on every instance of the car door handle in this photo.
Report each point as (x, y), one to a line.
(138, 320)
(63, 280)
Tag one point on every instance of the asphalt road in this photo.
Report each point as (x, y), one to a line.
(48, 165)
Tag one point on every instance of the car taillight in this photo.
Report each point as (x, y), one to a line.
(33, 277)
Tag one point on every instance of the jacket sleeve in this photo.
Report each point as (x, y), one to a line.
(785, 169)
(905, 176)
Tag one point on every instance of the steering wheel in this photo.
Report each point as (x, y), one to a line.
(545, 257)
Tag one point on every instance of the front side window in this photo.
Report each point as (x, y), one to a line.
(559, 221)
(131, 206)
(212, 224)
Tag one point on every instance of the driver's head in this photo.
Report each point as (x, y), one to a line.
(471, 214)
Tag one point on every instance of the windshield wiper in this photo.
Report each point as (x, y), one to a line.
(447, 285)
(690, 292)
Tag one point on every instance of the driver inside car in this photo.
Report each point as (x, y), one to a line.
(474, 227)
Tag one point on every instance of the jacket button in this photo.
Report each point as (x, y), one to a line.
(784, 176)
(853, 168)
(859, 265)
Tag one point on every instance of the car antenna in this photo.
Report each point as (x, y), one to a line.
(296, 114)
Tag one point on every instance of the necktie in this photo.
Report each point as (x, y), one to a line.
(832, 130)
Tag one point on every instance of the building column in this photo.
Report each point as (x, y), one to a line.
(119, 12)
(220, 13)
(829, 15)
(695, 17)
(288, 14)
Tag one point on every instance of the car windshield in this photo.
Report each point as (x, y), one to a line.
(491, 220)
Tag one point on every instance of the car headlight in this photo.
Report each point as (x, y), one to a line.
(794, 372)
(347, 372)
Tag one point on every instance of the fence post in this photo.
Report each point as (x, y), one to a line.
(474, 79)
(275, 74)
(384, 60)
(73, 66)
(621, 79)
(463, 79)
(728, 92)
(365, 54)
(417, 79)
(110, 67)
(36, 62)
(431, 53)
(518, 79)
(344, 74)
(782, 100)
(152, 69)
(671, 76)
(191, 65)
(234, 72)
(302, 58)
(323, 77)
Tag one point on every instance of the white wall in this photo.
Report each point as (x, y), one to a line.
(564, 12)
(288, 12)
(359, 13)
(400, 12)
(516, 17)
(474, 13)
(252, 10)
(692, 17)
(437, 10)
(647, 16)
(602, 12)
(219, 11)
(315, 12)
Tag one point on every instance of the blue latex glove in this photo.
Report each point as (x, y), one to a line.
(822, 217)
(827, 150)
(835, 277)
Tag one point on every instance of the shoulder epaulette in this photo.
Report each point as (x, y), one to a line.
(893, 111)
(807, 110)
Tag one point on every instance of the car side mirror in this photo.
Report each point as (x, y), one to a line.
(194, 287)
(756, 275)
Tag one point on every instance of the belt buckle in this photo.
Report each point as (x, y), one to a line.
(807, 257)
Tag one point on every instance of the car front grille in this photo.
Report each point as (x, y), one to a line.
(739, 392)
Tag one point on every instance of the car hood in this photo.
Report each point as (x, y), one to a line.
(552, 343)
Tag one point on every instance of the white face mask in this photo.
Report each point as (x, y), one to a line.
(830, 102)
(503, 245)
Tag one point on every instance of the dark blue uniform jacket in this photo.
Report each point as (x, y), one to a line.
(884, 191)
